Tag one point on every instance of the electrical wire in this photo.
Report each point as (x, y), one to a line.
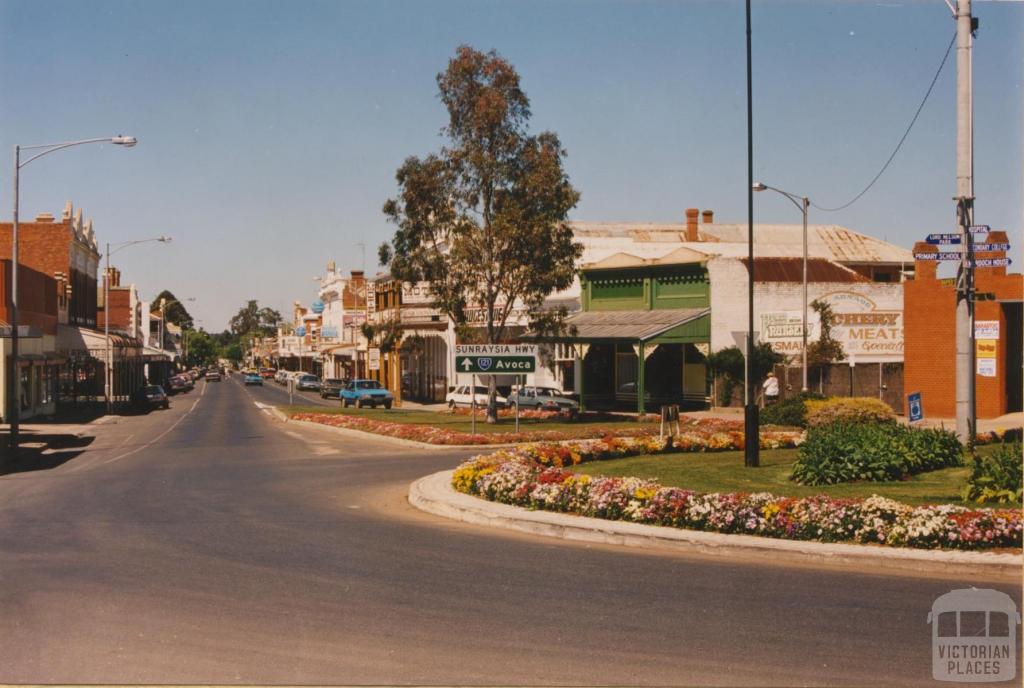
(902, 139)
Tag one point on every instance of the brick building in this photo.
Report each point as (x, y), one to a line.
(929, 306)
(37, 368)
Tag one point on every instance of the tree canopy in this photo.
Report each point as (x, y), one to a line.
(251, 319)
(176, 311)
(484, 220)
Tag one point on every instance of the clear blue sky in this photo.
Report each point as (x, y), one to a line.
(270, 131)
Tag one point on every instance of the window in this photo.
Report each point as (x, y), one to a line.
(972, 624)
(998, 625)
(947, 625)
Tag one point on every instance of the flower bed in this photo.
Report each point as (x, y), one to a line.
(534, 477)
(698, 435)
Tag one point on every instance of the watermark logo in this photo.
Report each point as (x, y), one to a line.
(974, 636)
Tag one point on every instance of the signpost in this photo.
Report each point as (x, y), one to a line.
(494, 359)
(916, 408)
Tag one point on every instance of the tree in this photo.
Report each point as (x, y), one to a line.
(251, 319)
(176, 311)
(202, 349)
(728, 363)
(484, 221)
(826, 350)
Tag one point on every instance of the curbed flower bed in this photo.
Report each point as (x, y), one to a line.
(535, 477)
(697, 435)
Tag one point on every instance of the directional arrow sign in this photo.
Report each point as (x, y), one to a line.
(943, 239)
(991, 262)
(496, 365)
(979, 229)
(981, 248)
(942, 255)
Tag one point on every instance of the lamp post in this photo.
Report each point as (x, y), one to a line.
(803, 203)
(13, 400)
(108, 374)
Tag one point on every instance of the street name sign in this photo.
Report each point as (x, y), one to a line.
(979, 229)
(941, 255)
(943, 239)
(991, 262)
(982, 248)
(496, 359)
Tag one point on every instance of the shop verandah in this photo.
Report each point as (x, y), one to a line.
(639, 360)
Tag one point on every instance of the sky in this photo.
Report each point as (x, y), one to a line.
(270, 132)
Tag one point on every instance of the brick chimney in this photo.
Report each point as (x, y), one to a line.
(44, 218)
(708, 217)
(925, 269)
(691, 224)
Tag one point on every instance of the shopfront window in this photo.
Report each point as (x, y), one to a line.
(24, 389)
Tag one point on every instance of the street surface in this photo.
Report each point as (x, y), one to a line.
(213, 544)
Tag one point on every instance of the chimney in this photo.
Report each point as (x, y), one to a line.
(44, 218)
(708, 217)
(691, 224)
(924, 269)
(331, 267)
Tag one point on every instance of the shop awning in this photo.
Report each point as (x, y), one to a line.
(660, 326)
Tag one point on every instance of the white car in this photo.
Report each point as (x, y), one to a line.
(461, 396)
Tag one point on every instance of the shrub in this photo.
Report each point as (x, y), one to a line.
(997, 477)
(845, 452)
(791, 411)
(848, 410)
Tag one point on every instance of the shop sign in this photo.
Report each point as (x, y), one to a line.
(416, 293)
(986, 367)
(868, 327)
(986, 329)
(373, 359)
(782, 330)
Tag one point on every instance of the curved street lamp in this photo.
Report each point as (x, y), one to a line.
(13, 401)
(802, 203)
(108, 374)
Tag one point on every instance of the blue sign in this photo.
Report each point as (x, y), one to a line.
(943, 239)
(979, 229)
(914, 406)
(301, 330)
(317, 306)
(983, 248)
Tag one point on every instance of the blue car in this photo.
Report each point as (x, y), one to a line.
(253, 379)
(365, 393)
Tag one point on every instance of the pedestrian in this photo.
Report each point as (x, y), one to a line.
(770, 389)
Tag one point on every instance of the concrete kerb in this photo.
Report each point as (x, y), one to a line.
(435, 494)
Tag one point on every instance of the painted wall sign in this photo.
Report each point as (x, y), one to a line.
(867, 328)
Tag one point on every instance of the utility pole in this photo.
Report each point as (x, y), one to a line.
(965, 381)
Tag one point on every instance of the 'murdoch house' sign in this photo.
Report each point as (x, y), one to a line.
(496, 359)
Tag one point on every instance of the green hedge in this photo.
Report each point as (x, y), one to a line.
(996, 477)
(847, 452)
(791, 411)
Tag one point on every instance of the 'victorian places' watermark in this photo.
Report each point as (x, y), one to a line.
(974, 636)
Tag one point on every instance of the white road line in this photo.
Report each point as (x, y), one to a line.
(162, 434)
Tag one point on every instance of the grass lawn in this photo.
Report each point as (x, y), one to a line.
(724, 472)
(462, 423)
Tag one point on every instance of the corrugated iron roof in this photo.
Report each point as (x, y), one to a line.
(631, 325)
(831, 242)
(792, 270)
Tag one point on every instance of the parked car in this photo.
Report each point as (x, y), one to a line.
(177, 383)
(543, 399)
(331, 387)
(281, 377)
(364, 393)
(213, 375)
(253, 379)
(461, 396)
(308, 381)
(267, 373)
(151, 397)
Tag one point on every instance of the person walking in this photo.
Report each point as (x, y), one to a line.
(770, 388)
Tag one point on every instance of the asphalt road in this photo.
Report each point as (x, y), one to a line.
(212, 544)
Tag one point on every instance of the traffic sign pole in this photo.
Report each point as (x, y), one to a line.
(472, 404)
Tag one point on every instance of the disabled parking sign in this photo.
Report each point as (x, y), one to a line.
(915, 410)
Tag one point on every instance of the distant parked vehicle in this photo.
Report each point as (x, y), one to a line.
(253, 379)
(213, 375)
(311, 382)
(461, 396)
(151, 397)
(281, 377)
(543, 399)
(267, 373)
(177, 383)
(364, 393)
(331, 387)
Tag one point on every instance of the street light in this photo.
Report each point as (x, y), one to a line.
(108, 375)
(13, 402)
(802, 203)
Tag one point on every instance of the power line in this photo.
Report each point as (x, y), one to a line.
(902, 139)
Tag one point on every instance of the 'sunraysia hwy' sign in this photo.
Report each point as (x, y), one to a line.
(496, 359)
